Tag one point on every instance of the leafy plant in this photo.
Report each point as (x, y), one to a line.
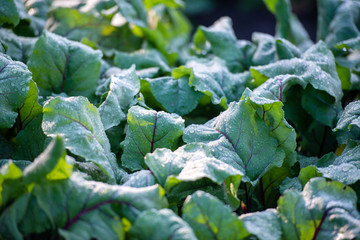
(116, 123)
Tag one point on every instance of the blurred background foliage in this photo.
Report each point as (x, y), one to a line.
(248, 16)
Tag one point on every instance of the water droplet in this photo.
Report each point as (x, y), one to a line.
(23, 89)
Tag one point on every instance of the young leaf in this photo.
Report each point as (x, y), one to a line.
(319, 212)
(60, 65)
(14, 86)
(161, 225)
(147, 131)
(211, 219)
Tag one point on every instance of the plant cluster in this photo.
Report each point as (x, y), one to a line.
(116, 122)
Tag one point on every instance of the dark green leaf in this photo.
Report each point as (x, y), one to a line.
(124, 86)
(161, 225)
(264, 225)
(14, 86)
(59, 65)
(320, 212)
(78, 121)
(175, 95)
(147, 131)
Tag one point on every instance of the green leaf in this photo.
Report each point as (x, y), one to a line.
(78, 121)
(252, 132)
(142, 59)
(264, 225)
(124, 86)
(142, 178)
(147, 131)
(31, 107)
(345, 168)
(18, 48)
(288, 25)
(133, 11)
(321, 211)
(9, 13)
(326, 13)
(212, 78)
(265, 51)
(182, 171)
(169, 3)
(14, 86)
(9, 183)
(59, 65)
(161, 225)
(175, 95)
(79, 26)
(286, 50)
(31, 141)
(339, 20)
(211, 219)
(317, 68)
(223, 43)
(349, 122)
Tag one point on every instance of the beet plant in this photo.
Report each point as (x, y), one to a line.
(118, 120)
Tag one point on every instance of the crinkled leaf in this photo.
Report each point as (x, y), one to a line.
(18, 48)
(60, 65)
(123, 88)
(78, 121)
(345, 168)
(321, 211)
(147, 131)
(161, 225)
(252, 133)
(190, 164)
(142, 59)
(212, 78)
(14, 86)
(317, 68)
(211, 219)
(264, 225)
(175, 95)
